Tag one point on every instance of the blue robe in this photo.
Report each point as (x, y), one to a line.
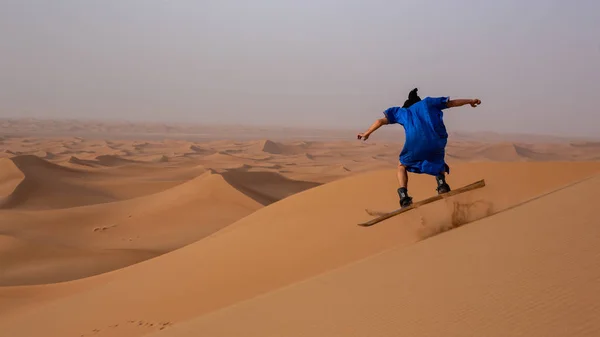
(426, 136)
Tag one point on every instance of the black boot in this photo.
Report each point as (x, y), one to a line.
(405, 200)
(442, 187)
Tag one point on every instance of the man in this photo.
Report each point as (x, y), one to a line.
(426, 138)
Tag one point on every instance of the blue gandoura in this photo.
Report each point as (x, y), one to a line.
(426, 138)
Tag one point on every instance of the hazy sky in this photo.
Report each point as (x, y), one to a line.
(535, 64)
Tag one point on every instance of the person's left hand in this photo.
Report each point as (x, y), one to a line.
(363, 136)
(475, 102)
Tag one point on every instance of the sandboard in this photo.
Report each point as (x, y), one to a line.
(380, 216)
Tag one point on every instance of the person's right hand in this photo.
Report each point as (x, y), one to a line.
(363, 136)
(475, 102)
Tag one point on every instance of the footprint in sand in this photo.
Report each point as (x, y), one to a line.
(104, 228)
(132, 324)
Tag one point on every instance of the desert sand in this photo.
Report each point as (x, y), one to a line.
(128, 229)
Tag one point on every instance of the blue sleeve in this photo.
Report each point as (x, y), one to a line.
(395, 115)
(437, 102)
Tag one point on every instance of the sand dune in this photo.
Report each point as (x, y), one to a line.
(145, 227)
(594, 145)
(44, 185)
(149, 225)
(309, 235)
(27, 262)
(265, 187)
(272, 147)
(139, 236)
(103, 160)
(83, 162)
(111, 160)
(532, 153)
(488, 152)
(523, 152)
(200, 150)
(10, 178)
(499, 152)
(499, 276)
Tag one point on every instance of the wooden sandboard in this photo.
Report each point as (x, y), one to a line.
(380, 216)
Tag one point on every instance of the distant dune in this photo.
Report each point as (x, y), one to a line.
(595, 145)
(31, 183)
(269, 146)
(200, 150)
(10, 178)
(103, 160)
(522, 152)
(130, 236)
(46, 185)
(265, 187)
(149, 225)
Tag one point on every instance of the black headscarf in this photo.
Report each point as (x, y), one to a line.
(412, 98)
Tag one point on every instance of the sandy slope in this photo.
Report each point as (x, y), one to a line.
(113, 235)
(10, 178)
(304, 235)
(530, 271)
(265, 187)
(47, 185)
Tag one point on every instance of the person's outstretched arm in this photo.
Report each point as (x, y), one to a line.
(376, 125)
(460, 102)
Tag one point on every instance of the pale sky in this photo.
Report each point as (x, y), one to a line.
(535, 64)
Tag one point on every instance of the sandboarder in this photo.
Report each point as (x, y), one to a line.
(426, 138)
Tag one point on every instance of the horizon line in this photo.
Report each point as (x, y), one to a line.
(273, 127)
